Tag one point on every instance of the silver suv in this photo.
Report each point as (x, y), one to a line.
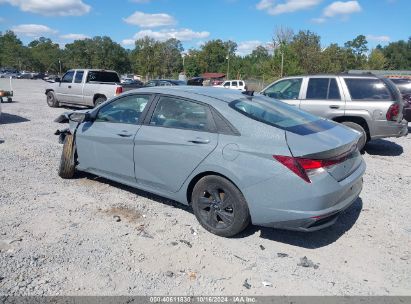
(366, 103)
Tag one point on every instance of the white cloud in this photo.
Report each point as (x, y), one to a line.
(51, 7)
(150, 20)
(33, 30)
(246, 47)
(128, 42)
(287, 6)
(380, 38)
(342, 8)
(319, 20)
(180, 34)
(338, 9)
(74, 36)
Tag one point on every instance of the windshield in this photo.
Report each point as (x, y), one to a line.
(280, 115)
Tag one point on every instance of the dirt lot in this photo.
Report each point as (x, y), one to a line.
(63, 237)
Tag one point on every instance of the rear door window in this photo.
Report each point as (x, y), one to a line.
(368, 89)
(79, 77)
(181, 114)
(285, 89)
(323, 88)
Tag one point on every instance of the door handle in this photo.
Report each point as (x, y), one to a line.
(334, 107)
(199, 140)
(124, 134)
(69, 87)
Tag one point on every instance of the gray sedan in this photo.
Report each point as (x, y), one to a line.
(234, 157)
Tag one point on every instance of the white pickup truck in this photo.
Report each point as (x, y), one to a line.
(85, 87)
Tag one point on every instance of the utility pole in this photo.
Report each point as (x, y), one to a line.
(60, 66)
(228, 65)
(282, 62)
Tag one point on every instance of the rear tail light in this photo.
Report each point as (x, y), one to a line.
(119, 90)
(303, 166)
(393, 111)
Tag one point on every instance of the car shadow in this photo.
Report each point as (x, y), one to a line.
(383, 147)
(6, 118)
(311, 240)
(138, 192)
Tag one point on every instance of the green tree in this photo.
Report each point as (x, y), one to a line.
(214, 55)
(376, 60)
(398, 54)
(307, 48)
(45, 55)
(12, 51)
(357, 52)
(98, 53)
(334, 59)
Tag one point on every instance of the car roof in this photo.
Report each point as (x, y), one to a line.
(93, 70)
(356, 75)
(225, 95)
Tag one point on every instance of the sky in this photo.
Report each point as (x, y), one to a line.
(247, 22)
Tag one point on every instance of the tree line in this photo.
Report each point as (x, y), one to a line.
(289, 54)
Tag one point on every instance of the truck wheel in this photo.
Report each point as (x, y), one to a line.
(51, 100)
(67, 166)
(219, 206)
(363, 139)
(99, 101)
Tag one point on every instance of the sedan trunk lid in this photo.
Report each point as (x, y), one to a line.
(326, 140)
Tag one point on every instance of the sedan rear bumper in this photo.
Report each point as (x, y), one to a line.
(328, 217)
(307, 208)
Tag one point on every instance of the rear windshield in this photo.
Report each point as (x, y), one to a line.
(101, 76)
(278, 114)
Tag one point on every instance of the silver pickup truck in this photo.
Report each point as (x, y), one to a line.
(85, 87)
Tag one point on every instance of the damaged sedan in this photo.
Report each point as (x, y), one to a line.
(234, 157)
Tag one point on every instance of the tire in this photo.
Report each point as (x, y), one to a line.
(51, 100)
(363, 140)
(67, 166)
(219, 206)
(99, 101)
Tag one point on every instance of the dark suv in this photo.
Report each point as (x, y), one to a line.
(404, 85)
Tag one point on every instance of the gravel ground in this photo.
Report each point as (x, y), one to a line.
(90, 236)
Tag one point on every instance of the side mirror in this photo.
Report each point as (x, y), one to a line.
(80, 117)
(57, 79)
